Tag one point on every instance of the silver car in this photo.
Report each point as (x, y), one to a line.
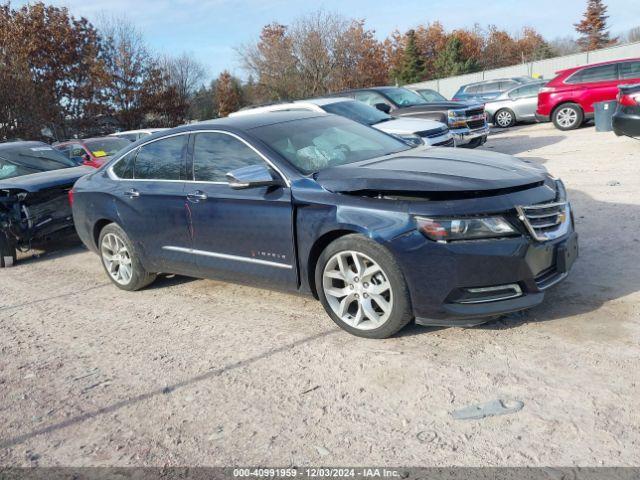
(518, 104)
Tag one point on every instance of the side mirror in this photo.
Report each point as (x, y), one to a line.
(383, 107)
(252, 176)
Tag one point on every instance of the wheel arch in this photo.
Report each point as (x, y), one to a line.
(565, 102)
(318, 247)
(97, 228)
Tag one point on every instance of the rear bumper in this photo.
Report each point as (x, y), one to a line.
(440, 276)
(626, 124)
(542, 118)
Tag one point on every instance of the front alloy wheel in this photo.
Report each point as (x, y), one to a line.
(358, 290)
(362, 288)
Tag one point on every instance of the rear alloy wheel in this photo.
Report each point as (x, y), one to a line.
(568, 116)
(120, 261)
(504, 118)
(362, 288)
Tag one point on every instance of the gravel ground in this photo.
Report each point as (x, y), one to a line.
(198, 372)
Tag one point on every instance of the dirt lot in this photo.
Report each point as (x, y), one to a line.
(197, 372)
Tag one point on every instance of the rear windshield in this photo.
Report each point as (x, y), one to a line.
(403, 97)
(20, 160)
(106, 147)
(313, 144)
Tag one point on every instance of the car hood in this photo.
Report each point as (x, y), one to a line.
(43, 180)
(408, 125)
(433, 170)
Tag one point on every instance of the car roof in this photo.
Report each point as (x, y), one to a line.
(83, 141)
(247, 122)
(140, 130)
(608, 62)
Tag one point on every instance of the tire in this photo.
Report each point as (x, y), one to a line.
(8, 255)
(474, 143)
(567, 116)
(120, 261)
(504, 118)
(359, 296)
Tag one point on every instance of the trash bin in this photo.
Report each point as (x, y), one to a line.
(604, 114)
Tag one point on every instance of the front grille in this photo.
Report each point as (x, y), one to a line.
(546, 221)
(473, 124)
(474, 111)
(446, 143)
(435, 132)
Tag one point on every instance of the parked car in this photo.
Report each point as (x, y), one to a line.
(568, 99)
(466, 122)
(626, 119)
(380, 232)
(34, 183)
(516, 105)
(135, 135)
(416, 131)
(488, 89)
(92, 152)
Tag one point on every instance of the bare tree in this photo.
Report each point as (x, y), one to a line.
(185, 74)
(128, 63)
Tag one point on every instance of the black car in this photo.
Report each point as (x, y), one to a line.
(467, 122)
(34, 183)
(626, 119)
(380, 232)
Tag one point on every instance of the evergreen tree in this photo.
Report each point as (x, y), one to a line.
(412, 68)
(451, 61)
(593, 27)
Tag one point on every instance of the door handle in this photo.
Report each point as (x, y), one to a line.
(196, 196)
(133, 193)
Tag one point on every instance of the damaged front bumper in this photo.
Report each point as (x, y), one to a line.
(26, 217)
(468, 283)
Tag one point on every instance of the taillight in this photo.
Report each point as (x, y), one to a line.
(71, 197)
(629, 100)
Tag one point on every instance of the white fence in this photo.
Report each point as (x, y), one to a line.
(546, 68)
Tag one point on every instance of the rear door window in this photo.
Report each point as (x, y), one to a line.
(124, 167)
(162, 160)
(629, 70)
(603, 73)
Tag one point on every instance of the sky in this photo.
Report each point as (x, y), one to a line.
(212, 30)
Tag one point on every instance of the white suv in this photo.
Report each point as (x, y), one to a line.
(416, 131)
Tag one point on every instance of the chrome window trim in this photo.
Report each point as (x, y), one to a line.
(226, 256)
(113, 176)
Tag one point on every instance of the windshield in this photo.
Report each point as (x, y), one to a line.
(21, 160)
(106, 147)
(432, 96)
(403, 97)
(313, 144)
(357, 111)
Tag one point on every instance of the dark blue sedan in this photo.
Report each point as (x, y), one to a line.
(380, 232)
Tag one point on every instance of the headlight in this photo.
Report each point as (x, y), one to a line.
(457, 118)
(412, 139)
(445, 229)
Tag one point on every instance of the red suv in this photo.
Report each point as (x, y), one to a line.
(92, 152)
(568, 99)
